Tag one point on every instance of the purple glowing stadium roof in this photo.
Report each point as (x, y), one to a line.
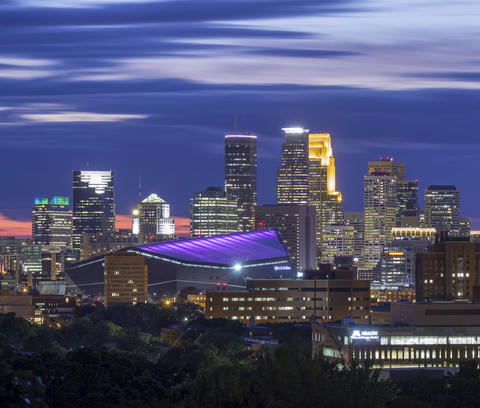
(223, 249)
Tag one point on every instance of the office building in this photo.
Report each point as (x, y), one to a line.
(52, 221)
(357, 221)
(337, 240)
(442, 209)
(449, 270)
(464, 228)
(380, 294)
(126, 278)
(292, 175)
(419, 335)
(283, 300)
(414, 233)
(322, 184)
(396, 268)
(212, 213)
(151, 219)
(93, 204)
(407, 201)
(380, 210)
(388, 167)
(241, 177)
(297, 226)
(202, 263)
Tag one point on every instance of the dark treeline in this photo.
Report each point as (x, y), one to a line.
(124, 357)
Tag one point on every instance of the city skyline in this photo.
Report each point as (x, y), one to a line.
(130, 89)
(18, 227)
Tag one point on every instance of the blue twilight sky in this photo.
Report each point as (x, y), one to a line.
(150, 88)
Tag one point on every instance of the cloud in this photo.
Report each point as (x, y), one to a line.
(15, 227)
(303, 53)
(123, 221)
(182, 226)
(467, 76)
(65, 117)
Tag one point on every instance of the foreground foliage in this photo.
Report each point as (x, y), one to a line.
(143, 357)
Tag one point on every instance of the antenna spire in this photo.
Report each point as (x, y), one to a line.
(139, 188)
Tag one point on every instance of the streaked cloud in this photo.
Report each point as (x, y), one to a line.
(65, 117)
(15, 227)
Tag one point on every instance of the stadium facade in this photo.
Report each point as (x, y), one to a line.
(220, 262)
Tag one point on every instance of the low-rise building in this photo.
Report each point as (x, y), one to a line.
(126, 277)
(289, 300)
(419, 335)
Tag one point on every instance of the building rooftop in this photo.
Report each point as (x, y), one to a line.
(153, 198)
(223, 249)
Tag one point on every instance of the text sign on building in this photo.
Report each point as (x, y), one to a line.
(282, 268)
(364, 335)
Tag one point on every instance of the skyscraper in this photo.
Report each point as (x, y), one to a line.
(388, 167)
(357, 221)
(292, 175)
(93, 204)
(380, 193)
(241, 177)
(52, 222)
(337, 240)
(212, 213)
(297, 226)
(321, 176)
(442, 208)
(151, 217)
(407, 190)
(407, 200)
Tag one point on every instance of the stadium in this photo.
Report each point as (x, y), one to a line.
(218, 262)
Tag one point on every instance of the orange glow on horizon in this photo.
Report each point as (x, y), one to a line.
(23, 228)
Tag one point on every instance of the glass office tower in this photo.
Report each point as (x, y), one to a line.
(93, 204)
(241, 177)
(52, 221)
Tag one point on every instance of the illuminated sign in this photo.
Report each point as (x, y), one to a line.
(364, 335)
(282, 268)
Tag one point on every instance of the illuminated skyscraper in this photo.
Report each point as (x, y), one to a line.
(151, 217)
(93, 204)
(292, 175)
(212, 213)
(322, 194)
(442, 208)
(52, 221)
(357, 221)
(337, 240)
(307, 176)
(380, 193)
(241, 177)
(388, 167)
(407, 200)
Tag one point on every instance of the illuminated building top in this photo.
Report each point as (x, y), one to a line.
(153, 198)
(295, 130)
(320, 148)
(55, 200)
(98, 180)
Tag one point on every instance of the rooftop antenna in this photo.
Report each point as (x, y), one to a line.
(88, 164)
(235, 121)
(139, 188)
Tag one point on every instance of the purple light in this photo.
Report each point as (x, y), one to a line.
(225, 249)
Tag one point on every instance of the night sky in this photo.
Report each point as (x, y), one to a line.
(150, 89)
